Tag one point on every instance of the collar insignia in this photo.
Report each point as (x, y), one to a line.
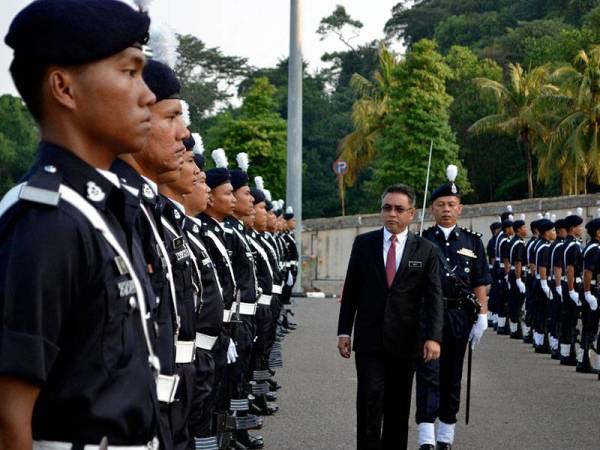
(147, 192)
(176, 214)
(94, 192)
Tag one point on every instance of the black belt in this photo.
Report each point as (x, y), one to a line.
(456, 303)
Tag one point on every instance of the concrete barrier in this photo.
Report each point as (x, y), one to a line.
(326, 243)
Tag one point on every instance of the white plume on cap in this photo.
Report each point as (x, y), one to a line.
(509, 208)
(547, 215)
(540, 216)
(219, 157)
(143, 5)
(522, 216)
(569, 213)
(451, 173)
(553, 217)
(289, 210)
(198, 145)
(185, 113)
(280, 204)
(598, 213)
(580, 212)
(511, 217)
(164, 43)
(243, 161)
(259, 183)
(267, 194)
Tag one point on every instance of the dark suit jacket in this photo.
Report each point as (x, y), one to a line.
(399, 319)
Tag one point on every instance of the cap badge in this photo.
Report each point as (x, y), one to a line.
(94, 192)
(176, 214)
(196, 229)
(147, 192)
(453, 189)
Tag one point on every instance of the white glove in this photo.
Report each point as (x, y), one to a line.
(521, 286)
(231, 352)
(591, 299)
(575, 297)
(558, 290)
(546, 289)
(290, 279)
(478, 329)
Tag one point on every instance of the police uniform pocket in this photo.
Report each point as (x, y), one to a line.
(118, 332)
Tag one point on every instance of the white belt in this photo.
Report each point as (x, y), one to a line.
(55, 445)
(593, 282)
(265, 299)
(537, 276)
(247, 309)
(498, 259)
(277, 289)
(577, 280)
(205, 341)
(491, 266)
(166, 387)
(512, 267)
(293, 263)
(288, 264)
(227, 315)
(184, 352)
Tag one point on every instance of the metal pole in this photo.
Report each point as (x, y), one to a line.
(294, 126)
(426, 189)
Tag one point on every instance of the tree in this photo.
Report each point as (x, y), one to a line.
(18, 141)
(574, 145)
(258, 130)
(418, 113)
(518, 113)
(336, 22)
(368, 115)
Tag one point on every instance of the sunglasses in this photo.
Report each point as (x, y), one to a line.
(399, 209)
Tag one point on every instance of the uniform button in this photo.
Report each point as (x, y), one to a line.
(167, 276)
(447, 244)
(132, 302)
(447, 259)
(50, 169)
(447, 274)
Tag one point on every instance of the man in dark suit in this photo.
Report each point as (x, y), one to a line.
(392, 296)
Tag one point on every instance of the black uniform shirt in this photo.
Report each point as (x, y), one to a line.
(242, 259)
(556, 252)
(264, 269)
(464, 256)
(516, 252)
(572, 256)
(591, 256)
(542, 255)
(209, 319)
(531, 247)
(69, 323)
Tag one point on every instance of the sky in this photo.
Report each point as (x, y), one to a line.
(255, 29)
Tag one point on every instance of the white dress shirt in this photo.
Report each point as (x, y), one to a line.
(400, 244)
(447, 231)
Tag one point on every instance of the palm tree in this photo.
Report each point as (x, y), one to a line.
(518, 114)
(574, 145)
(368, 112)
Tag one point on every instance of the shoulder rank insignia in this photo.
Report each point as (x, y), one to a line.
(468, 230)
(467, 252)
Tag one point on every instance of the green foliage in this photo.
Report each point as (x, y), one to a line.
(336, 22)
(18, 141)
(259, 131)
(418, 113)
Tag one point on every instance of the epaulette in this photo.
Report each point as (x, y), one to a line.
(227, 228)
(473, 232)
(43, 187)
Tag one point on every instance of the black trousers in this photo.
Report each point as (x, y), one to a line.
(383, 397)
(568, 317)
(204, 384)
(439, 382)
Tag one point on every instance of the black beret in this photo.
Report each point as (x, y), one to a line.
(505, 215)
(239, 178)
(288, 216)
(199, 160)
(573, 221)
(507, 223)
(593, 226)
(518, 224)
(278, 213)
(533, 225)
(189, 142)
(560, 224)
(269, 205)
(217, 177)
(544, 225)
(446, 190)
(259, 195)
(73, 32)
(161, 80)
(495, 226)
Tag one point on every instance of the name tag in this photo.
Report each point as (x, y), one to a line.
(415, 264)
(206, 261)
(182, 254)
(126, 288)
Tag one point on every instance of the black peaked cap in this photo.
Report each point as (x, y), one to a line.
(259, 195)
(544, 225)
(74, 32)
(216, 177)
(593, 226)
(573, 221)
(239, 178)
(446, 190)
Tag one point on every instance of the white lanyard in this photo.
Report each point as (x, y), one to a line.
(223, 252)
(199, 244)
(262, 253)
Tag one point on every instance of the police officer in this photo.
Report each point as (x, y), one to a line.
(77, 362)
(554, 309)
(517, 262)
(589, 309)
(542, 292)
(530, 282)
(465, 277)
(503, 250)
(495, 229)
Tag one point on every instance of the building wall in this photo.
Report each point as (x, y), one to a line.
(326, 243)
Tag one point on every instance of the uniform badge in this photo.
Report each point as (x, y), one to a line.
(196, 229)
(94, 193)
(176, 214)
(415, 264)
(147, 192)
(467, 252)
(453, 189)
(467, 270)
(177, 243)
(121, 266)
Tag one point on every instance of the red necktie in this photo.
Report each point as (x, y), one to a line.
(390, 262)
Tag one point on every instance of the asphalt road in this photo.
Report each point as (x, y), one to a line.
(521, 400)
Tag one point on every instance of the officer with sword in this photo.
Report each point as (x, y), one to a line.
(465, 279)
